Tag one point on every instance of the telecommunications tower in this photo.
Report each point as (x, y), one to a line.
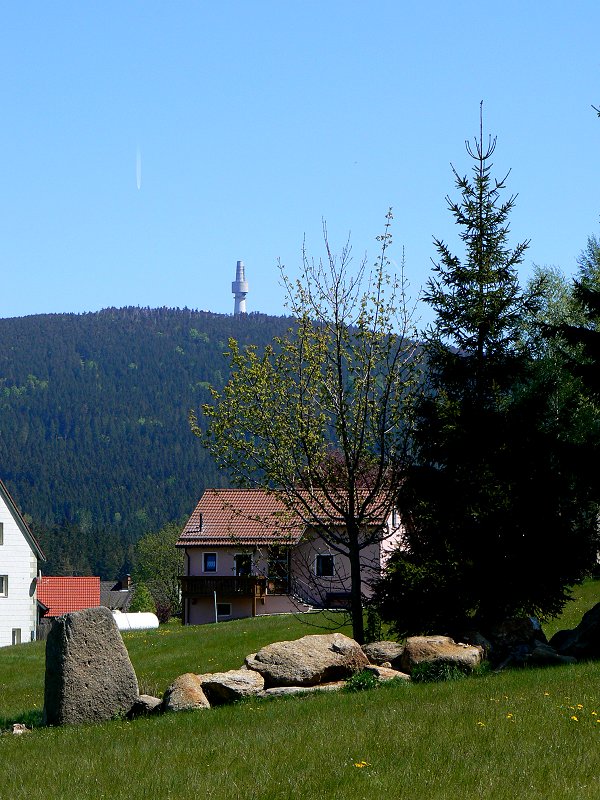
(239, 287)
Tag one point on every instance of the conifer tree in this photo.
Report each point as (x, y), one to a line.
(484, 504)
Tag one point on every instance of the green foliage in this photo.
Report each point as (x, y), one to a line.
(494, 492)
(435, 671)
(373, 628)
(74, 392)
(361, 681)
(158, 565)
(322, 415)
(142, 600)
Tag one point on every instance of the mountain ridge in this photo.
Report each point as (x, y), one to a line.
(95, 442)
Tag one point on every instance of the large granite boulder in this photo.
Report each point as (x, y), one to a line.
(89, 676)
(386, 652)
(516, 632)
(441, 650)
(583, 641)
(185, 694)
(227, 687)
(543, 655)
(308, 661)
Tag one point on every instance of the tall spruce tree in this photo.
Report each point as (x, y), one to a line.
(483, 540)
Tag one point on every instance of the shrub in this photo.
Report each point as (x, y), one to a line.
(142, 600)
(361, 681)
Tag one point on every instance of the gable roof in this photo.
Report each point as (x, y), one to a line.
(254, 517)
(240, 516)
(113, 596)
(63, 595)
(23, 526)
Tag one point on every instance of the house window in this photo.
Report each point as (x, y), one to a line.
(243, 564)
(209, 562)
(1, 533)
(3, 585)
(223, 609)
(16, 635)
(324, 566)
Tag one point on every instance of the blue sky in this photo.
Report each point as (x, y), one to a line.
(256, 120)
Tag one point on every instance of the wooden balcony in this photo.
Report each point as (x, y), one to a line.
(223, 585)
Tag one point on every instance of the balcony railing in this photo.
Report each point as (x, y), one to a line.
(205, 585)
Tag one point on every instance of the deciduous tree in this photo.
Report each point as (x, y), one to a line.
(322, 416)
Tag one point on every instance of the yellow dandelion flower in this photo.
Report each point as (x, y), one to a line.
(579, 705)
(361, 764)
(593, 713)
(509, 716)
(574, 718)
(483, 723)
(546, 694)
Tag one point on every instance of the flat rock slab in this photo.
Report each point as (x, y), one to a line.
(440, 649)
(288, 691)
(185, 694)
(308, 661)
(387, 674)
(227, 687)
(89, 677)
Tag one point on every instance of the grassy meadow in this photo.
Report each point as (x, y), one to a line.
(530, 733)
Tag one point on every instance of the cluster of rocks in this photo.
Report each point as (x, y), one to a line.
(522, 642)
(90, 678)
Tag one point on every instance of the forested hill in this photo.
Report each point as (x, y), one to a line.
(95, 444)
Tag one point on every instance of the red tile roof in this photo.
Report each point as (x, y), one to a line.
(254, 517)
(63, 595)
(240, 516)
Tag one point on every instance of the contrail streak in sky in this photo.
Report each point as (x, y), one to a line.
(138, 168)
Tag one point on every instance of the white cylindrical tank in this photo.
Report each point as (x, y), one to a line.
(139, 621)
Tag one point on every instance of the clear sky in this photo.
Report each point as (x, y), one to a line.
(245, 123)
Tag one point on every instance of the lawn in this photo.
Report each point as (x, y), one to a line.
(530, 733)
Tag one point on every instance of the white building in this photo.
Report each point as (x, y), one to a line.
(19, 555)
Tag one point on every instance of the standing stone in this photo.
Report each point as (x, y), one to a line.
(89, 676)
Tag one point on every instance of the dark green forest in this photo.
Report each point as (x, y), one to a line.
(95, 443)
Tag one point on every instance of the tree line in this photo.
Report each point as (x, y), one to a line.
(95, 443)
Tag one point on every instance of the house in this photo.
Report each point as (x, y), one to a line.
(61, 595)
(19, 556)
(117, 595)
(247, 555)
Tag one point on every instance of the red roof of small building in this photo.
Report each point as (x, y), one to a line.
(62, 595)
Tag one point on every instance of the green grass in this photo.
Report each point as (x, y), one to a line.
(494, 736)
(585, 596)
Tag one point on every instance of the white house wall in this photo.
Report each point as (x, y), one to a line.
(19, 563)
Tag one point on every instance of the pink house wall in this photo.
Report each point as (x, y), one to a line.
(304, 581)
